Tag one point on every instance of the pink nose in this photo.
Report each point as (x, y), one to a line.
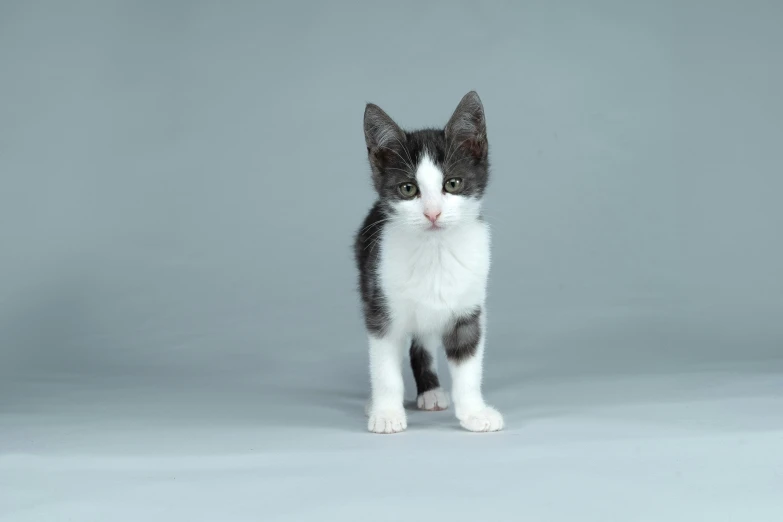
(432, 216)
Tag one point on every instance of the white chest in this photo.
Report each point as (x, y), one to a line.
(430, 277)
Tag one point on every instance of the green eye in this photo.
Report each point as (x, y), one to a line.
(408, 190)
(453, 185)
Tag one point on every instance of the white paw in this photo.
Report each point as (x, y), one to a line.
(433, 400)
(487, 419)
(387, 421)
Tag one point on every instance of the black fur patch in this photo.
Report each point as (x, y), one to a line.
(366, 253)
(461, 341)
(421, 364)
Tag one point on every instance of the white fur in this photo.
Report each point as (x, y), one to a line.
(429, 276)
(433, 400)
(486, 419)
(386, 411)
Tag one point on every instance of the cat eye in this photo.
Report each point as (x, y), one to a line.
(453, 185)
(408, 190)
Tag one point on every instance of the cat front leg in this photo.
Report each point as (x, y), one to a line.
(424, 363)
(464, 344)
(386, 411)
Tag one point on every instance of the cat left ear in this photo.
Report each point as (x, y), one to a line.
(468, 126)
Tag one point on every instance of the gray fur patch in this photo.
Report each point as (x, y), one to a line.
(461, 341)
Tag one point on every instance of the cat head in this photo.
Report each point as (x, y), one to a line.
(430, 179)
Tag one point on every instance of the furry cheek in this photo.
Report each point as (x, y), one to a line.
(459, 208)
(409, 212)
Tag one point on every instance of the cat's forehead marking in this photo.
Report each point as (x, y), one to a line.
(429, 176)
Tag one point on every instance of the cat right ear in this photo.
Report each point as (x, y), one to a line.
(380, 131)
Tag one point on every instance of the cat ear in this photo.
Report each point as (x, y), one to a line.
(467, 126)
(379, 129)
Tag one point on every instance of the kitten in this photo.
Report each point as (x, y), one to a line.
(423, 260)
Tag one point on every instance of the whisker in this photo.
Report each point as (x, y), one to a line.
(493, 219)
(373, 235)
(371, 246)
(409, 173)
(448, 151)
(374, 223)
(450, 165)
(399, 156)
(377, 232)
(404, 148)
(378, 236)
(453, 149)
(457, 162)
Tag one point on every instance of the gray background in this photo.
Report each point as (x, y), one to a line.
(180, 338)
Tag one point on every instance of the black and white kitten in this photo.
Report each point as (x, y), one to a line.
(423, 259)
